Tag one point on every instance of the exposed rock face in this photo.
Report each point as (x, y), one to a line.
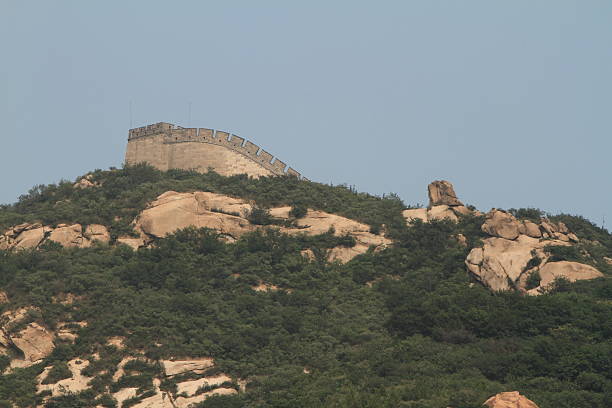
(172, 211)
(30, 236)
(174, 367)
(69, 236)
(34, 341)
(443, 204)
(416, 214)
(97, 232)
(509, 400)
(75, 384)
(572, 271)
(501, 224)
(3, 297)
(440, 212)
(441, 192)
(85, 182)
(530, 228)
(516, 249)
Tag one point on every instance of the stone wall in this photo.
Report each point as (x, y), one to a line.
(167, 146)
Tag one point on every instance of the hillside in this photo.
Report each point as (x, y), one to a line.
(142, 288)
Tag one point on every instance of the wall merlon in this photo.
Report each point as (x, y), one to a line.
(205, 133)
(294, 173)
(251, 148)
(236, 141)
(265, 157)
(279, 165)
(221, 136)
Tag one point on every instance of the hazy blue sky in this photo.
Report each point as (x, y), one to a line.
(509, 100)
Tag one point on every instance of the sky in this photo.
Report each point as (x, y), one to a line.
(511, 101)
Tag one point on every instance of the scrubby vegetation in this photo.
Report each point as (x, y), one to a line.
(404, 327)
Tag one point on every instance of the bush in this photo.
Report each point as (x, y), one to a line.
(59, 372)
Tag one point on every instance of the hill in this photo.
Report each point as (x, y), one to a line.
(137, 287)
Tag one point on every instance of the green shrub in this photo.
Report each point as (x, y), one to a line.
(59, 372)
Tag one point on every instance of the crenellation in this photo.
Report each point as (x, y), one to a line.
(251, 148)
(205, 134)
(291, 172)
(166, 146)
(279, 165)
(236, 141)
(265, 157)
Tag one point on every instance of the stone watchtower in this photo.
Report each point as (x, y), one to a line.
(167, 146)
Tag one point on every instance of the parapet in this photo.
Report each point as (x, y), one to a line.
(177, 134)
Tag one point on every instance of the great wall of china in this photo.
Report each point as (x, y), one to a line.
(167, 146)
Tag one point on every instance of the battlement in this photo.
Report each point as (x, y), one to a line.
(167, 134)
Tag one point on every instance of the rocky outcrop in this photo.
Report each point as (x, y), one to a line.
(441, 192)
(76, 383)
(319, 222)
(515, 249)
(443, 204)
(31, 236)
(34, 341)
(509, 400)
(229, 216)
(501, 224)
(571, 271)
(172, 211)
(85, 182)
(198, 366)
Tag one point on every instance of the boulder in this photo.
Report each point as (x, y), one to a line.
(461, 210)
(608, 260)
(191, 387)
(30, 237)
(529, 228)
(172, 211)
(174, 367)
(500, 263)
(69, 236)
(132, 242)
(441, 212)
(441, 192)
(34, 341)
(549, 227)
(501, 224)
(3, 297)
(572, 271)
(97, 232)
(415, 214)
(509, 400)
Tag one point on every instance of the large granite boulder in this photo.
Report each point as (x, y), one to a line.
(441, 192)
(501, 224)
(571, 271)
(509, 400)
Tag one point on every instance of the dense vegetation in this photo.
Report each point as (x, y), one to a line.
(404, 327)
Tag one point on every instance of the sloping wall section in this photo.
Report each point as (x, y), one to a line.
(167, 146)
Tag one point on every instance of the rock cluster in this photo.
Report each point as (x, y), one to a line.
(515, 249)
(33, 341)
(229, 216)
(509, 400)
(32, 235)
(443, 204)
(187, 390)
(85, 182)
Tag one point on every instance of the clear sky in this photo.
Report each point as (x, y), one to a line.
(509, 100)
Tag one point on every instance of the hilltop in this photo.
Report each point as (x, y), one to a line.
(148, 288)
